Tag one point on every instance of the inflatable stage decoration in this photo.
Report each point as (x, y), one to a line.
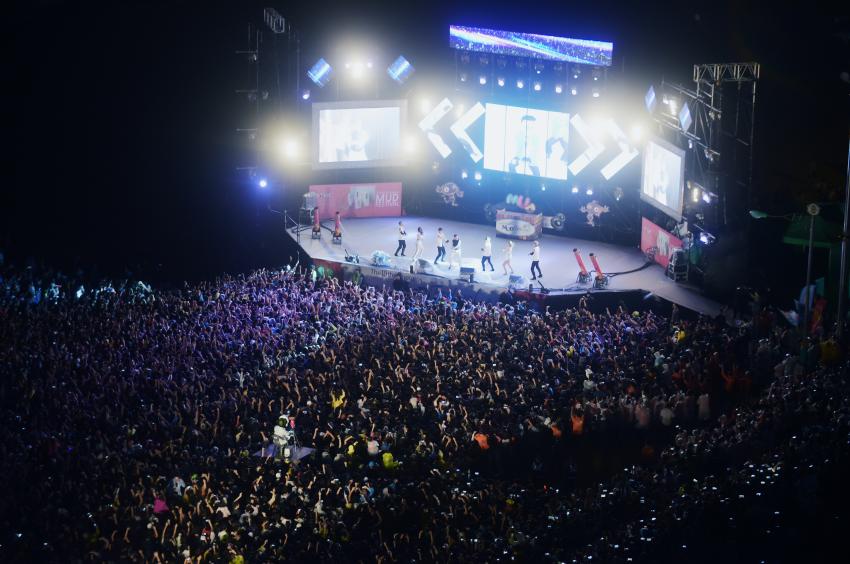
(522, 202)
(593, 210)
(450, 192)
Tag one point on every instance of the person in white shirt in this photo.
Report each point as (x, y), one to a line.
(281, 436)
(456, 252)
(420, 243)
(535, 261)
(508, 253)
(487, 251)
(402, 239)
(441, 246)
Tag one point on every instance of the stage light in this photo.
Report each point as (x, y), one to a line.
(263, 183)
(542, 187)
(463, 77)
(289, 149)
(320, 73)
(589, 191)
(305, 95)
(573, 90)
(369, 64)
(650, 100)
(477, 175)
(595, 92)
(520, 84)
(410, 145)
(576, 72)
(596, 74)
(637, 132)
(464, 174)
(500, 81)
(618, 193)
(706, 197)
(537, 87)
(575, 190)
(695, 195)
(482, 80)
(558, 89)
(400, 70)
(685, 119)
(690, 143)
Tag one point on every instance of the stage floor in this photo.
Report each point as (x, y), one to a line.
(363, 236)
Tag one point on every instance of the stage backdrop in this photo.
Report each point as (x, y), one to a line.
(653, 236)
(381, 199)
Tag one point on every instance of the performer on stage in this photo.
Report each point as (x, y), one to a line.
(441, 246)
(337, 226)
(317, 225)
(456, 251)
(487, 251)
(402, 239)
(420, 243)
(535, 260)
(508, 253)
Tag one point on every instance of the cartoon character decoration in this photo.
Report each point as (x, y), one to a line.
(593, 210)
(450, 192)
(522, 202)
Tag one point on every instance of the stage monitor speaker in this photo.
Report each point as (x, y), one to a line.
(516, 279)
(467, 272)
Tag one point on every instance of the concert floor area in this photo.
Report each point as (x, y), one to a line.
(626, 265)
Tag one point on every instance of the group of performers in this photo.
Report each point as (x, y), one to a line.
(456, 249)
(454, 245)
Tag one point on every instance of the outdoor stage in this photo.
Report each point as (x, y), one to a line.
(627, 266)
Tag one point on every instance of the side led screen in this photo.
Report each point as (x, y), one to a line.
(663, 180)
(511, 43)
(358, 135)
(526, 141)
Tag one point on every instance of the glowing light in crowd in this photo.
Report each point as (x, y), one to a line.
(263, 183)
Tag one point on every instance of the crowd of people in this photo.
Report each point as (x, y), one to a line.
(136, 424)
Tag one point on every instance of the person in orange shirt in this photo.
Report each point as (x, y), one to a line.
(482, 441)
(577, 419)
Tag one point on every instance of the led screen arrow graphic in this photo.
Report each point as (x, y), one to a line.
(627, 152)
(428, 123)
(547, 129)
(594, 147)
(459, 129)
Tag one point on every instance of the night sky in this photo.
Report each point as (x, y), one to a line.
(123, 144)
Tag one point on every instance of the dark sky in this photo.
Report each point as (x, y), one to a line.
(124, 112)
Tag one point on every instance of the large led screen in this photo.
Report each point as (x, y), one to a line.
(526, 141)
(498, 42)
(663, 182)
(358, 134)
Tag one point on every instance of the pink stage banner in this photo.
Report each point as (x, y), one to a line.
(381, 199)
(664, 242)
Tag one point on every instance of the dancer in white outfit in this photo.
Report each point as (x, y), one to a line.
(508, 253)
(456, 252)
(420, 243)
